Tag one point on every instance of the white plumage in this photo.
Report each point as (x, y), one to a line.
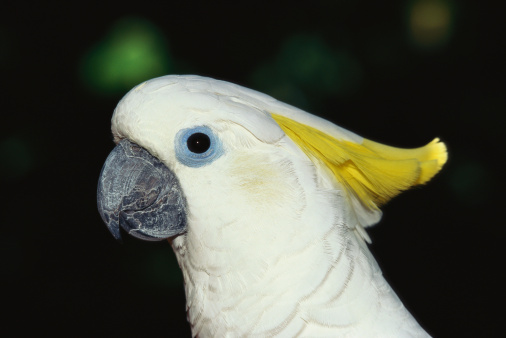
(274, 243)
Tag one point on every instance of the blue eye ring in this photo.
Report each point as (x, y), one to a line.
(198, 146)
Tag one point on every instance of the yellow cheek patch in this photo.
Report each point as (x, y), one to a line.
(372, 172)
(263, 180)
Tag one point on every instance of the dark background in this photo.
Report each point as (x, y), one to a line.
(398, 72)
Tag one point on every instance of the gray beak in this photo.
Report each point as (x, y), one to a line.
(139, 193)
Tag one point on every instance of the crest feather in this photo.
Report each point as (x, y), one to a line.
(371, 172)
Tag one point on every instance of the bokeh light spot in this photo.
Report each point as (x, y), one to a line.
(133, 51)
(430, 23)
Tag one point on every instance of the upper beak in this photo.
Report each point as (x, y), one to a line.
(139, 193)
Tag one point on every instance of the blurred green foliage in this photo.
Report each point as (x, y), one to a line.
(305, 70)
(133, 51)
(17, 158)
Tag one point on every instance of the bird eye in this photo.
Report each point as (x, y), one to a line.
(197, 146)
(198, 143)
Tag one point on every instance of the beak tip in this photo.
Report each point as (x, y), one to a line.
(113, 227)
(111, 223)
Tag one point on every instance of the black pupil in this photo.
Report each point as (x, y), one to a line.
(198, 143)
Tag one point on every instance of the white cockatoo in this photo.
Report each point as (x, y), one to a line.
(265, 206)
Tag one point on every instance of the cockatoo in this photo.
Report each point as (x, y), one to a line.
(264, 205)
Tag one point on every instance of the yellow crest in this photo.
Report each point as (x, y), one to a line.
(372, 172)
